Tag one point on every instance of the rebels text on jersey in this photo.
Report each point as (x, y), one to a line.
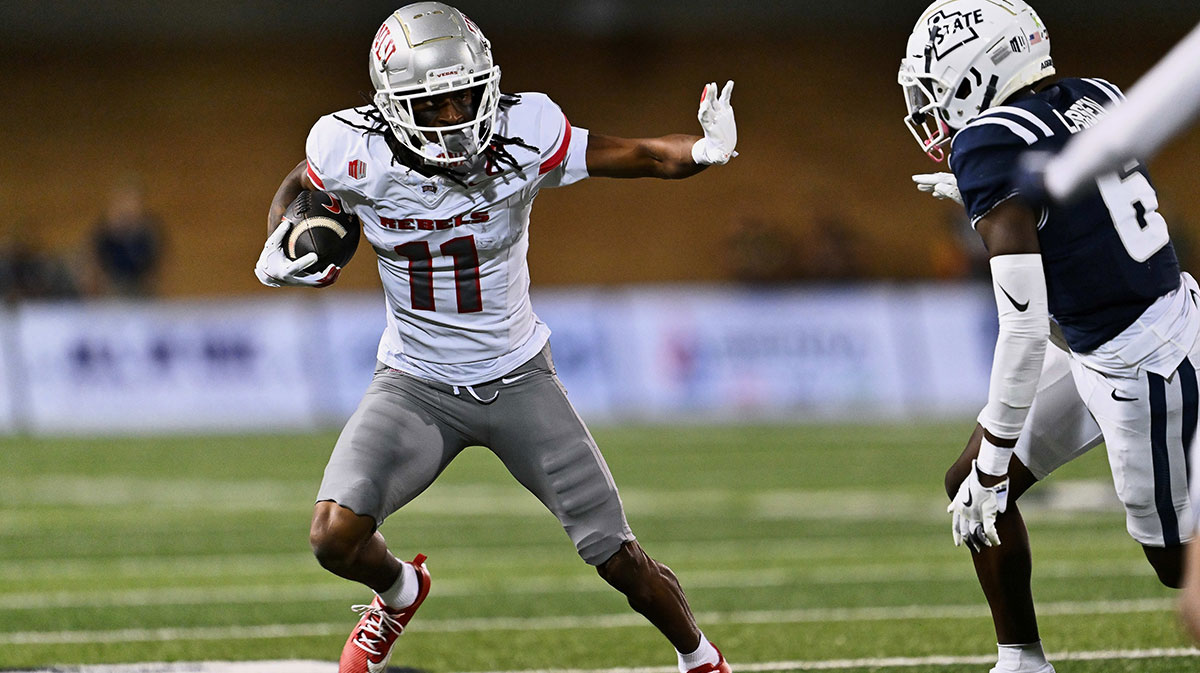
(452, 258)
(1107, 255)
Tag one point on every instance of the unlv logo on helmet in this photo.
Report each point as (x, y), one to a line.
(950, 30)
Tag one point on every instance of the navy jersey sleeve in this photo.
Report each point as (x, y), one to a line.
(982, 159)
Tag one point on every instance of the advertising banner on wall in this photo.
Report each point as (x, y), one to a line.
(147, 367)
(348, 327)
(737, 353)
(10, 381)
(642, 354)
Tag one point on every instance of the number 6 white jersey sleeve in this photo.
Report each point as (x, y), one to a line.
(452, 249)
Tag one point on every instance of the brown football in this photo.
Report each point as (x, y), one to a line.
(321, 223)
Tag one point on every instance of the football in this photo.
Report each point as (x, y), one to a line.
(321, 224)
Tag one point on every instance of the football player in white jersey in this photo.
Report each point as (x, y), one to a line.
(977, 76)
(442, 169)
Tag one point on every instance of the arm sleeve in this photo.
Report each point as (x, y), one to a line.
(1019, 284)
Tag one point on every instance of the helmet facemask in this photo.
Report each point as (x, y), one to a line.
(445, 145)
(926, 99)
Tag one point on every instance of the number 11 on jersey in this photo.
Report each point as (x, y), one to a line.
(466, 273)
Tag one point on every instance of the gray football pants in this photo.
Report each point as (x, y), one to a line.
(407, 430)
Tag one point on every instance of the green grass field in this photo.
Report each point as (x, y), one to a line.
(800, 547)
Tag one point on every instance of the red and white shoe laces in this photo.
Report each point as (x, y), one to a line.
(369, 646)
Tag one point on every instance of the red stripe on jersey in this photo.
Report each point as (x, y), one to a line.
(559, 154)
(314, 178)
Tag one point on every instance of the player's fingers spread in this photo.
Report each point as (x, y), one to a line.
(727, 92)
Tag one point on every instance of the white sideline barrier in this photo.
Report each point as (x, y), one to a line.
(725, 354)
(177, 366)
(642, 353)
(10, 379)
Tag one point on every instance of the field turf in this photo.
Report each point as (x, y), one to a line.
(801, 547)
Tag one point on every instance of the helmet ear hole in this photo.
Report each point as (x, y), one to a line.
(964, 90)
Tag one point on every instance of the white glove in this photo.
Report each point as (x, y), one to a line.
(941, 185)
(720, 131)
(974, 511)
(274, 269)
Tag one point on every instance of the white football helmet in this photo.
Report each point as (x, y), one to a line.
(430, 48)
(965, 56)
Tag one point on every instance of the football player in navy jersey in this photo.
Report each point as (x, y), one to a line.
(1098, 278)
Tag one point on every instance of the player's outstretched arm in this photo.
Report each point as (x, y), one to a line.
(673, 156)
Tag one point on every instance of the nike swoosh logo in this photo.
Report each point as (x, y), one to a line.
(1118, 398)
(1019, 307)
(513, 379)
(334, 206)
(970, 499)
(1194, 302)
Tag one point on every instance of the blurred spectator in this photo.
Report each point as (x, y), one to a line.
(27, 271)
(831, 250)
(958, 253)
(761, 252)
(127, 243)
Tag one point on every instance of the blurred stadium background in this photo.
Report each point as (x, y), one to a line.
(198, 109)
(806, 295)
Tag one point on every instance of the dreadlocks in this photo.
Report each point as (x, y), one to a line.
(496, 153)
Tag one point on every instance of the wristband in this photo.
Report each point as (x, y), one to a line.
(993, 460)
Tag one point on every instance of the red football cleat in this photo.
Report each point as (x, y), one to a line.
(369, 646)
(721, 666)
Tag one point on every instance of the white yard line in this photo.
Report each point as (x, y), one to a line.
(822, 615)
(764, 667)
(582, 583)
(491, 500)
(885, 662)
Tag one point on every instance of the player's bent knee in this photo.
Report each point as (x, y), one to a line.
(624, 567)
(337, 534)
(955, 476)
